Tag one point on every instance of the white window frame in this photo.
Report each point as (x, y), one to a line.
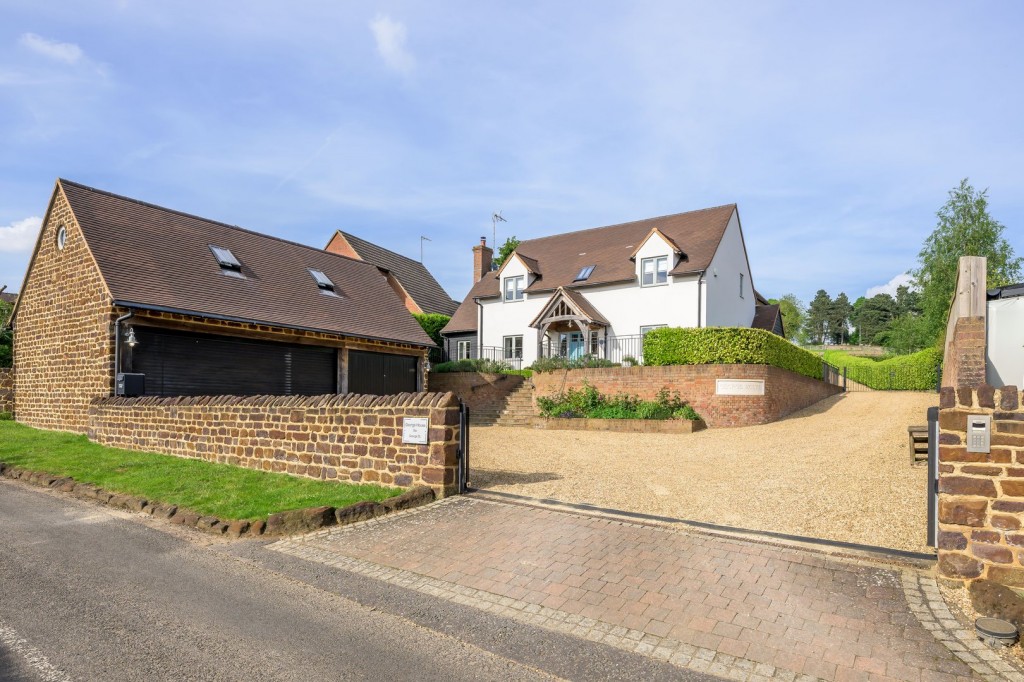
(645, 329)
(463, 350)
(656, 272)
(512, 347)
(516, 286)
(595, 344)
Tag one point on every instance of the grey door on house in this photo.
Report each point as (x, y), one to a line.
(381, 373)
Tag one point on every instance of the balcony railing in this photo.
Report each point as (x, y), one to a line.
(624, 350)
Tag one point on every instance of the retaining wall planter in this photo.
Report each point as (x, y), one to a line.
(622, 425)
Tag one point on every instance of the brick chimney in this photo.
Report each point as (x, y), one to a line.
(481, 259)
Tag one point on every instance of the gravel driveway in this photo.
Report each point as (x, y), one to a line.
(838, 470)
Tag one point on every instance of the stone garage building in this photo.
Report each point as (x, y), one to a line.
(199, 308)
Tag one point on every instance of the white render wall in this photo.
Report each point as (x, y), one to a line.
(724, 306)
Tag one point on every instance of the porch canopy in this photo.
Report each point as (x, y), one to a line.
(568, 311)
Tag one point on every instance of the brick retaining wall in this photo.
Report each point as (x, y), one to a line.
(981, 495)
(336, 437)
(483, 392)
(785, 391)
(6, 389)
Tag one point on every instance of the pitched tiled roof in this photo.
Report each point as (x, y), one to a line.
(769, 318)
(413, 276)
(158, 258)
(577, 300)
(560, 257)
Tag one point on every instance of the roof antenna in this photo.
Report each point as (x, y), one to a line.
(421, 247)
(495, 219)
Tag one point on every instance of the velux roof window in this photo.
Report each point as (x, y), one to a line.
(585, 273)
(323, 281)
(229, 265)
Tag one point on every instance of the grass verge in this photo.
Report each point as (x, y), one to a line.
(220, 490)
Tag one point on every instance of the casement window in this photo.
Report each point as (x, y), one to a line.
(513, 347)
(595, 344)
(649, 327)
(514, 288)
(463, 350)
(654, 271)
(741, 285)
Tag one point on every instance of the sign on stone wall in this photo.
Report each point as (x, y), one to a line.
(739, 387)
(414, 430)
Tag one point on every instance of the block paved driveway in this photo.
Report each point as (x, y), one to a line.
(729, 607)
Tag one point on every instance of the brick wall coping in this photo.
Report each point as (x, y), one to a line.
(446, 399)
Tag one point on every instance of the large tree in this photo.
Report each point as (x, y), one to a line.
(817, 316)
(965, 228)
(839, 318)
(505, 251)
(874, 316)
(792, 310)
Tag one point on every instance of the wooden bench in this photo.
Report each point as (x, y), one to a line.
(918, 443)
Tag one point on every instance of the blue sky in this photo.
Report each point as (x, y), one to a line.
(838, 128)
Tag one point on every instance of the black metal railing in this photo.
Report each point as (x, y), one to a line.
(623, 350)
(883, 378)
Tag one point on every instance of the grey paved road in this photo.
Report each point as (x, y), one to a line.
(92, 594)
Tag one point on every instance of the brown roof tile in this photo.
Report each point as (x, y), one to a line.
(769, 318)
(160, 258)
(560, 257)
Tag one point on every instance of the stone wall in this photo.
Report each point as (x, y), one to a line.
(6, 389)
(785, 392)
(63, 334)
(981, 495)
(483, 392)
(342, 438)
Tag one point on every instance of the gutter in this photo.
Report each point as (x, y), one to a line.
(246, 320)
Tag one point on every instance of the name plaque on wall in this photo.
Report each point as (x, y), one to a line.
(414, 430)
(739, 387)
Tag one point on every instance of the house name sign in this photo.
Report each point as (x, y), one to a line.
(739, 387)
(414, 430)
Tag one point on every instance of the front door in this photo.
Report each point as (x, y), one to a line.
(576, 347)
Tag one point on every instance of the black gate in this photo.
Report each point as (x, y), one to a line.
(381, 373)
(463, 453)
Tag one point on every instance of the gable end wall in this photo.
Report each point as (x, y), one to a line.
(63, 333)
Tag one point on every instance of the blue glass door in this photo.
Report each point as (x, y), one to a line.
(576, 347)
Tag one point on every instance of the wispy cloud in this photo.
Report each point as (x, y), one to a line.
(390, 36)
(902, 279)
(69, 53)
(20, 235)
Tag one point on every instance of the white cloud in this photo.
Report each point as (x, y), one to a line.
(20, 235)
(890, 286)
(69, 53)
(390, 36)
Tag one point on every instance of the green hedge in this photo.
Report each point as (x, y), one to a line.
(478, 365)
(915, 372)
(727, 346)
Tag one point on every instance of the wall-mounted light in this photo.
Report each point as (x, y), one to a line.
(130, 338)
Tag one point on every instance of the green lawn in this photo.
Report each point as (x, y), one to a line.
(219, 490)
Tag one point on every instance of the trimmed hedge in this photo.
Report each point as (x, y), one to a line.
(915, 372)
(727, 346)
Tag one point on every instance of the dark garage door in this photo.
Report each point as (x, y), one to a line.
(381, 373)
(184, 363)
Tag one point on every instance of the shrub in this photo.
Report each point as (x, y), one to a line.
(588, 402)
(582, 362)
(727, 346)
(630, 361)
(476, 365)
(432, 324)
(916, 372)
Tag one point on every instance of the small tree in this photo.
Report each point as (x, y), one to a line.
(965, 228)
(432, 324)
(505, 251)
(792, 310)
(839, 318)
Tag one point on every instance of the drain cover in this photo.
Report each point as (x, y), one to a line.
(996, 628)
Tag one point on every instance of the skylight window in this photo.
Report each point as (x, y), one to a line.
(225, 258)
(322, 280)
(585, 273)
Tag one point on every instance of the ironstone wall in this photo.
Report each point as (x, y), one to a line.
(335, 437)
(6, 389)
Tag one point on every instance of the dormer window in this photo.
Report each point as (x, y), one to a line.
(229, 265)
(514, 288)
(585, 273)
(323, 282)
(654, 271)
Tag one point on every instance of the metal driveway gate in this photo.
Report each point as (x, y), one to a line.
(463, 452)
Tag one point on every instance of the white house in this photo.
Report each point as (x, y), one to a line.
(598, 291)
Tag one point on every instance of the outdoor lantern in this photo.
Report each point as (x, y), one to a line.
(131, 340)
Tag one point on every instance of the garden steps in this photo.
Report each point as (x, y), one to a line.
(518, 409)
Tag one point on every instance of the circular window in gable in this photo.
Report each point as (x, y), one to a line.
(62, 237)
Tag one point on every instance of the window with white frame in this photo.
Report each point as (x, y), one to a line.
(595, 344)
(654, 271)
(514, 288)
(649, 327)
(463, 350)
(513, 347)
(741, 285)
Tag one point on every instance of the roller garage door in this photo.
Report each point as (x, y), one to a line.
(381, 373)
(184, 363)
